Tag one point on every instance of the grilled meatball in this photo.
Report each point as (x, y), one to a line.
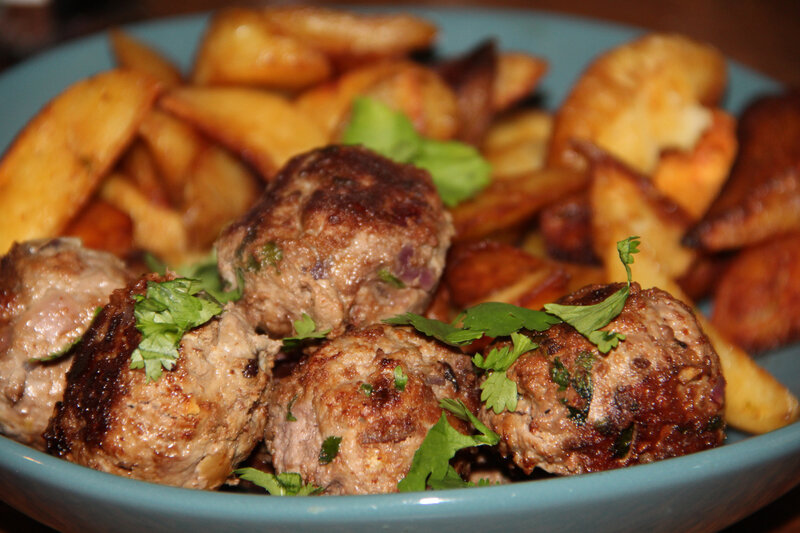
(347, 390)
(659, 394)
(344, 235)
(188, 428)
(49, 291)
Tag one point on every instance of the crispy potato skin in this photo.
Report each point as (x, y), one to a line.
(757, 302)
(761, 199)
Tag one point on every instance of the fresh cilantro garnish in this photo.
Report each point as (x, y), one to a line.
(329, 450)
(458, 170)
(289, 416)
(497, 391)
(493, 319)
(559, 374)
(430, 466)
(581, 382)
(305, 329)
(588, 319)
(205, 273)
(286, 484)
(390, 279)
(271, 254)
(400, 379)
(163, 315)
(366, 388)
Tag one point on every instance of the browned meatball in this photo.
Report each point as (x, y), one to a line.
(188, 428)
(49, 291)
(347, 390)
(344, 235)
(659, 394)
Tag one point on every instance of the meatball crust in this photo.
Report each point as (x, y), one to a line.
(344, 235)
(659, 394)
(347, 389)
(49, 291)
(188, 428)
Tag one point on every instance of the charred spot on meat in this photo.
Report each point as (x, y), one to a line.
(343, 235)
(188, 428)
(49, 293)
(349, 389)
(658, 394)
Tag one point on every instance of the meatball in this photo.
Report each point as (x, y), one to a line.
(49, 291)
(344, 235)
(188, 428)
(347, 389)
(658, 394)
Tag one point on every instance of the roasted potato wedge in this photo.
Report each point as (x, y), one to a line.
(353, 37)
(139, 165)
(174, 145)
(472, 78)
(757, 301)
(55, 164)
(762, 197)
(218, 189)
(133, 54)
(402, 85)
(101, 226)
(493, 271)
(754, 400)
(517, 143)
(510, 202)
(518, 74)
(157, 229)
(624, 203)
(638, 99)
(263, 128)
(694, 178)
(566, 227)
(241, 47)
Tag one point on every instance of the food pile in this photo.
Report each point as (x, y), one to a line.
(324, 262)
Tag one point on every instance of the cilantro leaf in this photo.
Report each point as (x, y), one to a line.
(400, 379)
(458, 170)
(390, 279)
(588, 319)
(285, 484)
(498, 392)
(205, 273)
(305, 328)
(329, 450)
(382, 129)
(366, 388)
(58, 353)
(163, 315)
(437, 329)
(289, 416)
(497, 319)
(431, 463)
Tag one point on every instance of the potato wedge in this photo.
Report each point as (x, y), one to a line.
(218, 189)
(157, 229)
(624, 203)
(754, 400)
(56, 162)
(757, 302)
(493, 271)
(241, 47)
(174, 145)
(517, 143)
(263, 128)
(638, 99)
(694, 178)
(133, 54)
(402, 85)
(762, 197)
(566, 227)
(101, 226)
(507, 203)
(139, 165)
(353, 37)
(518, 74)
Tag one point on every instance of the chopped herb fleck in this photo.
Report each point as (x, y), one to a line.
(289, 416)
(390, 279)
(329, 450)
(271, 254)
(400, 379)
(366, 388)
(285, 484)
(623, 443)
